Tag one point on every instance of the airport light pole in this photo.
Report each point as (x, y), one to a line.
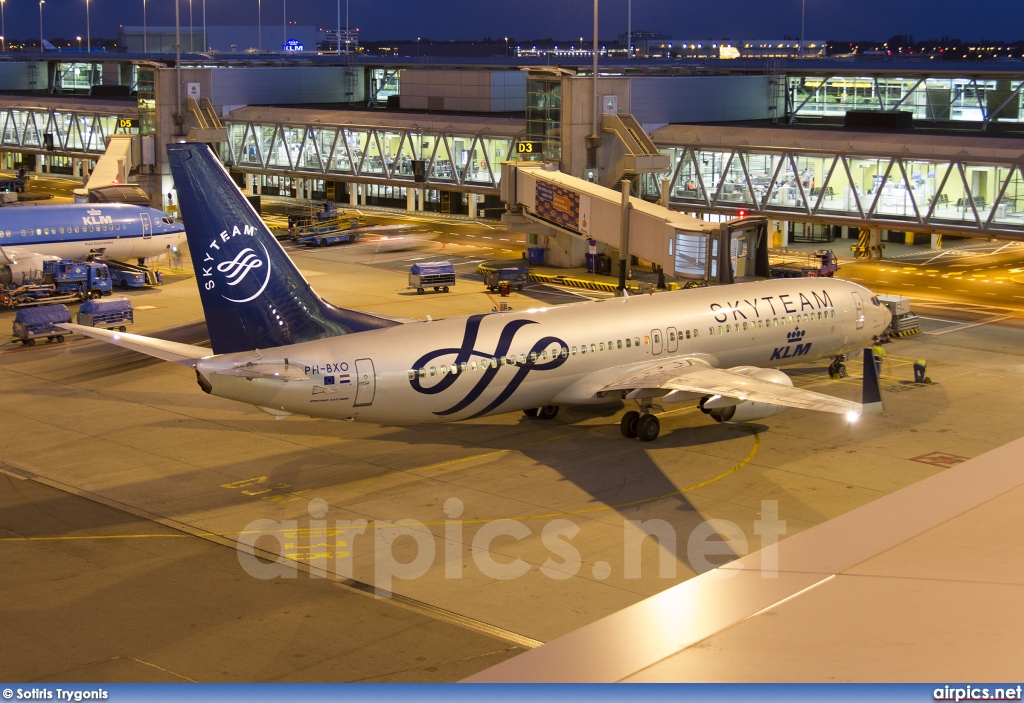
(145, 48)
(284, 26)
(191, 31)
(3, 26)
(41, 3)
(206, 39)
(629, 30)
(803, 14)
(88, 31)
(259, 23)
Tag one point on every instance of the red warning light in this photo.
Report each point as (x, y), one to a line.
(741, 214)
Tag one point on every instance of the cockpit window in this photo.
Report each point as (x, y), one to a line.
(875, 301)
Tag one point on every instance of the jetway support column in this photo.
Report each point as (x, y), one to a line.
(936, 241)
(410, 199)
(248, 184)
(624, 236)
(353, 196)
(472, 205)
(875, 243)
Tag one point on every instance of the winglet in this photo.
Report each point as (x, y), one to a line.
(871, 393)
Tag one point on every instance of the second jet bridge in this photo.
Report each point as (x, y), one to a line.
(572, 210)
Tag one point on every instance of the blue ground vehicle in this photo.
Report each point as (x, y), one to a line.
(61, 281)
(125, 275)
(32, 323)
(438, 275)
(112, 313)
(325, 235)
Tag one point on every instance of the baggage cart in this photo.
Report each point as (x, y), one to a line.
(515, 276)
(112, 313)
(439, 275)
(32, 323)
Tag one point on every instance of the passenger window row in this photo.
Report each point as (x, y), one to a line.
(773, 322)
(532, 357)
(116, 227)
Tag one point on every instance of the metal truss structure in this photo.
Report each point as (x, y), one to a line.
(962, 195)
(370, 154)
(73, 133)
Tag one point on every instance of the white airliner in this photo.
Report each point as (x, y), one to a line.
(280, 347)
(31, 235)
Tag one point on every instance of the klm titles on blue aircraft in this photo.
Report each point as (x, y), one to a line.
(793, 348)
(777, 304)
(94, 217)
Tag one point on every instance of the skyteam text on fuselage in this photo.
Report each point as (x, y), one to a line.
(30, 234)
(278, 346)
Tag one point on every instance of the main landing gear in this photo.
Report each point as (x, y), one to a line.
(837, 369)
(548, 412)
(640, 425)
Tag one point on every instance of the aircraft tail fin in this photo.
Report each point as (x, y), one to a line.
(871, 391)
(252, 294)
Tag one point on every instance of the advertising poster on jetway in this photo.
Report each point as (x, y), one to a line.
(563, 207)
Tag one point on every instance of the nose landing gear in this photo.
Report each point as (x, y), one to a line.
(837, 369)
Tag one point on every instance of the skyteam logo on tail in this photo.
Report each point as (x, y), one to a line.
(231, 267)
(794, 346)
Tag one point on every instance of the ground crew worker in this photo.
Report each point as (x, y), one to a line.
(879, 354)
(919, 368)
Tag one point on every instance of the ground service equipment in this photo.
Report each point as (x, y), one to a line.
(59, 282)
(820, 263)
(438, 275)
(112, 313)
(515, 276)
(904, 322)
(33, 323)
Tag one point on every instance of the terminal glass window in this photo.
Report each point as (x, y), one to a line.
(544, 115)
(144, 79)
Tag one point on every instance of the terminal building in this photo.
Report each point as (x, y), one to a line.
(872, 151)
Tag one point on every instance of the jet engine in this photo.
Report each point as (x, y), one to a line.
(27, 269)
(732, 410)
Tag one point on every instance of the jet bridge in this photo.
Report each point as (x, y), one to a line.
(571, 210)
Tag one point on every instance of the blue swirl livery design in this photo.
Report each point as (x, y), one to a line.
(492, 362)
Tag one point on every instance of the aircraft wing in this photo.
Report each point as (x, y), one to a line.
(693, 376)
(185, 354)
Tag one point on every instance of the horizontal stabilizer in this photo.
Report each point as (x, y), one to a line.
(276, 370)
(179, 353)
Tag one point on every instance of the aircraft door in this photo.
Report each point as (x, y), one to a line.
(656, 341)
(366, 384)
(859, 303)
(670, 343)
(147, 225)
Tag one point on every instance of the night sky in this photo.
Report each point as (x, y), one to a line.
(560, 19)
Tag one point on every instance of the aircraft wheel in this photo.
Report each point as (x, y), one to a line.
(60, 338)
(842, 371)
(530, 412)
(647, 428)
(628, 425)
(548, 412)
